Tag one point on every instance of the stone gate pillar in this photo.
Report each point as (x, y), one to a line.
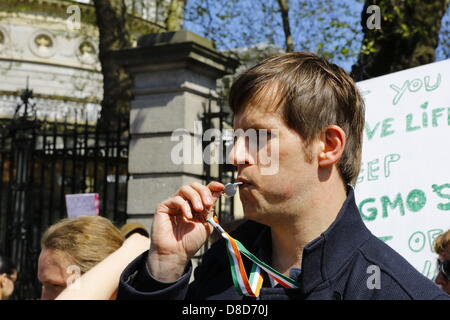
(174, 75)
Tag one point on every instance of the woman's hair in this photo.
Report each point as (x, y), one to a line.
(86, 240)
(6, 265)
(442, 243)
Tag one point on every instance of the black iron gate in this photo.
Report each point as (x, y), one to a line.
(224, 172)
(42, 160)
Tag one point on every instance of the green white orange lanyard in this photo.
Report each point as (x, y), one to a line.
(245, 286)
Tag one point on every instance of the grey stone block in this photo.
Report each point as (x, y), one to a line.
(166, 112)
(181, 36)
(172, 77)
(145, 193)
(159, 154)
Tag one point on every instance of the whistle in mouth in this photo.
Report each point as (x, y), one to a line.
(230, 189)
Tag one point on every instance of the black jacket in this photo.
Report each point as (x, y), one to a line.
(336, 265)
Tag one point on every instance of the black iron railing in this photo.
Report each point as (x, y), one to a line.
(42, 160)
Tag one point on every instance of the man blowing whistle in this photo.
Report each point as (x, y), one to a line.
(304, 229)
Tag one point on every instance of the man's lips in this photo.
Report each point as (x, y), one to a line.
(245, 182)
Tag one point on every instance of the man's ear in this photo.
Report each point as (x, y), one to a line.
(332, 142)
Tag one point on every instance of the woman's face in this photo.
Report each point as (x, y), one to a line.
(53, 273)
(7, 282)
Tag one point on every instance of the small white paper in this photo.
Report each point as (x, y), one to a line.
(83, 204)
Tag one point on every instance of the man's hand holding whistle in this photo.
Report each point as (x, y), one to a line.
(180, 229)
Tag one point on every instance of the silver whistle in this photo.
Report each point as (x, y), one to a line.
(230, 189)
(228, 192)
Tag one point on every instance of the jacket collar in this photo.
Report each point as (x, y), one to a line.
(324, 257)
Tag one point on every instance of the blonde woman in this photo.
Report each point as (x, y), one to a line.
(71, 248)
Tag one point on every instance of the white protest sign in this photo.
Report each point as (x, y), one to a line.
(403, 191)
(84, 204)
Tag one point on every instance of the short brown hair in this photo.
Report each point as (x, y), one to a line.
(312, 93)
(87, 240)
(442, 243)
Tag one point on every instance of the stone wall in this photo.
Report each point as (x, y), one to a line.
(174, 78)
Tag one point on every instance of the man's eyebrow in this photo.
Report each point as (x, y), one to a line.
(256, 125)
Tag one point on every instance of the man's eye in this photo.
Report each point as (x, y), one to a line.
(265, 135)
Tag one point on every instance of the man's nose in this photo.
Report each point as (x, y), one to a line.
(241, 154)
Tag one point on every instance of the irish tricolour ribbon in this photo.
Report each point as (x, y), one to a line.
(243, 285)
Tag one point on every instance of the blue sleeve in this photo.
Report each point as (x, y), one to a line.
(443, 296)
(136, 283)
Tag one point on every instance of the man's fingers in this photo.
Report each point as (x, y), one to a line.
(176, 205)
(205, 193)
(216, 186)
(193, 196)
(216, 189)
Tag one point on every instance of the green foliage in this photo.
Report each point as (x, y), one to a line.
(409, 35)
